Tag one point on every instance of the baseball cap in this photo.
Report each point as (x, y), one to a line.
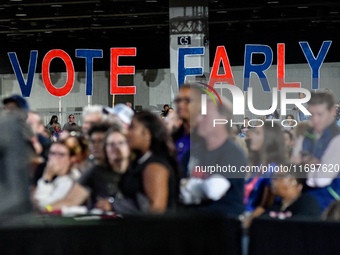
(124, 112)
(22, 103)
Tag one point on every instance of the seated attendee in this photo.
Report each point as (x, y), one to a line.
(182, 136)
(293, 203)
(289, 124)
(74, 139)
(128, 104)
(119, 113)
(78, 144)
(154, 172)
(220, 192)
(15, 102)
(101, 181)
(97, 135)
(57, 132)
(70, 121)
(92, 114)
(54, 120)
(267, 152)
(337, 115)
(35, 121)
(288, 136)
(58, 177)
(165, 110)
(319, 150)
(188, 104)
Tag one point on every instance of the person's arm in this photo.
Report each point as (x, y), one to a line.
(329, 168)
(45, 186)
(296, 153)
(55, 192)
(156, 187)
(77, 195)
(267, 200)
(80, 191)
(194, 190)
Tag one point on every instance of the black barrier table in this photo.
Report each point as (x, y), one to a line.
(143, 235)
(275, 237)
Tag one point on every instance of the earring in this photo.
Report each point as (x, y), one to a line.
(294, 183)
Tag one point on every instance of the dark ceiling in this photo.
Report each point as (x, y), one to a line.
(81, 19)
(99, 19)
(105, 23)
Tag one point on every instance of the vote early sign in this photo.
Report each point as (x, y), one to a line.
(314, 61)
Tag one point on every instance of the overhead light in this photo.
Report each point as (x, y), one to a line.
(273, 2)
(21, 14)
(56, 5)
(221, 12)
(333, 12)
(13, 34)
(48, 32)
(151, 1)
(15, 0)
(302, 7)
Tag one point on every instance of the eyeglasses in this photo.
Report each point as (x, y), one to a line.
(57, 154)
(71, 117)
(116, 145)
(186, 100)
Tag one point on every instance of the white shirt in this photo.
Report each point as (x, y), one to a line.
(329, 160)
(50, 192)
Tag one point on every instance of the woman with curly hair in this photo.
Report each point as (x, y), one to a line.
(154, 171)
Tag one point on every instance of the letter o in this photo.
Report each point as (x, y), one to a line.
(59, 92)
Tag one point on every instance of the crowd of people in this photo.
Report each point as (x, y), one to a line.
(132, 162)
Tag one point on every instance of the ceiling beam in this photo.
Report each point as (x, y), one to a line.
(17, 31)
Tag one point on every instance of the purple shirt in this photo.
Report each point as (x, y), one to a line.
(182, 146)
